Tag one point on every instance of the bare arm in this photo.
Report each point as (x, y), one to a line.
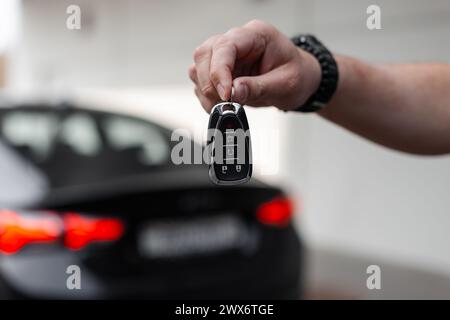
(405, 106)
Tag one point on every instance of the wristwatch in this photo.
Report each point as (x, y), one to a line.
(330, 74)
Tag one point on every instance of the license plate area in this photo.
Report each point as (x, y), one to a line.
(196, 236)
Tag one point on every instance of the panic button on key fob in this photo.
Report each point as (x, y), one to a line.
(230, 145)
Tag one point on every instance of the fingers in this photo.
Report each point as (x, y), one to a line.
(226, 50)
(207, 103)
(238, 51)
(193, 74)
(237, 44)
(202, 59)
(222, 64)
(215, 59)
(214, 79)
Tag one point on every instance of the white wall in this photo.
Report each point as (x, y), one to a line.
(8, 23)
(355, 195)
(135, 42)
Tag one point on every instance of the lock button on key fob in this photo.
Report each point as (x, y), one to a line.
(230, 145)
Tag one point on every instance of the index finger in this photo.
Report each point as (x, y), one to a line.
(233, 45)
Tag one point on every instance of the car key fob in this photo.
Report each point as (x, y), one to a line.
(230, 145)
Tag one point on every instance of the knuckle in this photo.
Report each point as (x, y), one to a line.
(233, 31)
(208, 90)
(258, 24)
(262, 27)
(191, 73)
(255, 22)
(222, 41)
(199, 52)
(205, 48)
(215, 74)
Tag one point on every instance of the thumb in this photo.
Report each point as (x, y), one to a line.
(261, 90)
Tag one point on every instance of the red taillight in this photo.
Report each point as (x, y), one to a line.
(17, 231)
(76, 231)
(80, 231)
(277, 212)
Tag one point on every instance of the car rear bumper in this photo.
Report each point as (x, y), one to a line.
(271, 272)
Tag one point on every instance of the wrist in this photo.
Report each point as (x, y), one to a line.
(329, 74)
(311, 75)
(351, 75)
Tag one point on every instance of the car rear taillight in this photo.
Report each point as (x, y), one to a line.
(277, 212)
(17, 231)
(75, 231)
(80, 231)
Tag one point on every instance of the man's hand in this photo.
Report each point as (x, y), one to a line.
(262, 65)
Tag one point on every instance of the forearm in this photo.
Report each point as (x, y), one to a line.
(405, 107)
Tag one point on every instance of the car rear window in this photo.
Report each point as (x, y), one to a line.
(82, 146)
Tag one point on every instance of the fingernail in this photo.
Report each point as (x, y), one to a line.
(241, 93)
(221, 91)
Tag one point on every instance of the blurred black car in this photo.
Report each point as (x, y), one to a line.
(98, 192)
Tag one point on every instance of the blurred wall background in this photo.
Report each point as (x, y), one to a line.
(356, 197)
(2, 71)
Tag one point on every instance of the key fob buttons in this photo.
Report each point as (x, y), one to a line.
(230, 145)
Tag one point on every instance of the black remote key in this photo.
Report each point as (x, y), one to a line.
(230, 145)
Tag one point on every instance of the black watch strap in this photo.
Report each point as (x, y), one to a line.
(330, 74)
